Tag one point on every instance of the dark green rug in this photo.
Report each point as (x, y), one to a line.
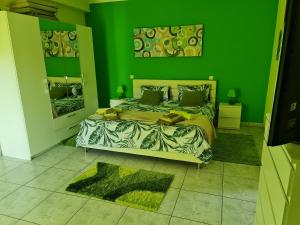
(236, 148)
(70, 142)
(127, 186)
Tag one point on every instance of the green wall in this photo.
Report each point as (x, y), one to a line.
(238, 41)
(60, 66)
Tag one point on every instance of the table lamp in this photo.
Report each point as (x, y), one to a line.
(120, 91)
(231, 96)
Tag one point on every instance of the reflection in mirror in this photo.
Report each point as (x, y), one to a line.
(66, 95)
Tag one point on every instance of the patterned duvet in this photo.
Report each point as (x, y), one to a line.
(147, 134)
(66, 105)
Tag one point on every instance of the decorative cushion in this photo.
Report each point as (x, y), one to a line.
(151, 97)
(205, 88)
(164, 89)
(58, 92)
(192, 98)
(73, 89)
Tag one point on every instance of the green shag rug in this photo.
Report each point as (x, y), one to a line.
(126, 186)
(236, 148)
(70, 142)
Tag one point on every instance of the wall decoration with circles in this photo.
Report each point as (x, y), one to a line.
(172, 41)
(60, 43)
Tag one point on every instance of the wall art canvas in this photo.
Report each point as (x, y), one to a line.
(60, 43)
(172, 41)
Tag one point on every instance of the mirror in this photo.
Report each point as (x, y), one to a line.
(61, 51)
(66, 94)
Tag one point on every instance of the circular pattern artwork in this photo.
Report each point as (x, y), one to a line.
(72, 35)
(150, 33)
(60, 43)
(146, 54)
(193, 41)
(138, 44)
(172, 41)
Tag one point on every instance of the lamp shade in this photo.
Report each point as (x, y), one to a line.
(120, 91)
(231, 93)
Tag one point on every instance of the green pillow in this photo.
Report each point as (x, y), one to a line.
(151, 97)
(192, 98)
(58, 92)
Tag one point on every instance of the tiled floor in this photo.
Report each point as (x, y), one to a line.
(34, 192)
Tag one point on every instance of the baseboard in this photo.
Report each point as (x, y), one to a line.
(252, 124)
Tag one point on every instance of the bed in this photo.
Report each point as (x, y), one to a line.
(137, 131)
(66, 105)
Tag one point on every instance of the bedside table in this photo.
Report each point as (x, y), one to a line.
(115, 102)
(230, 116)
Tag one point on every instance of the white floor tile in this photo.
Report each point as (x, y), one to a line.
(237, 212)
(201, 181)
(240, 188)
(140, 217)
(56, 210)
(20, 202)
(52, 179)
(199, 207)
(98, 213)
(23, 173)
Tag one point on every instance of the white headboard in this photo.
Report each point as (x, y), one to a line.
(137, 83)
(53, 80)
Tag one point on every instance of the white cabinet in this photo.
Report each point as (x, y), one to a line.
(68, 125)
(27, 127)
(88, 71)
(229, 116)
(26, 124)
(279, 185)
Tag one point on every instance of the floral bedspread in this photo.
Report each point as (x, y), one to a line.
(136, 134)
(66, 105)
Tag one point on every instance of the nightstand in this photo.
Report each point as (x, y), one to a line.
(230, 116)
(115, 102)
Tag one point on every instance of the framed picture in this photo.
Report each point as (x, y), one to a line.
(60, 43)
(172, 41)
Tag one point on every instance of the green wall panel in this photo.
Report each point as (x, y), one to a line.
(72, 67)
(111, 33)
(60, 66)
(238, 41)
(55, 25)
(55, 67)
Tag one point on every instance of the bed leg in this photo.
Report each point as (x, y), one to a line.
(199, 165)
